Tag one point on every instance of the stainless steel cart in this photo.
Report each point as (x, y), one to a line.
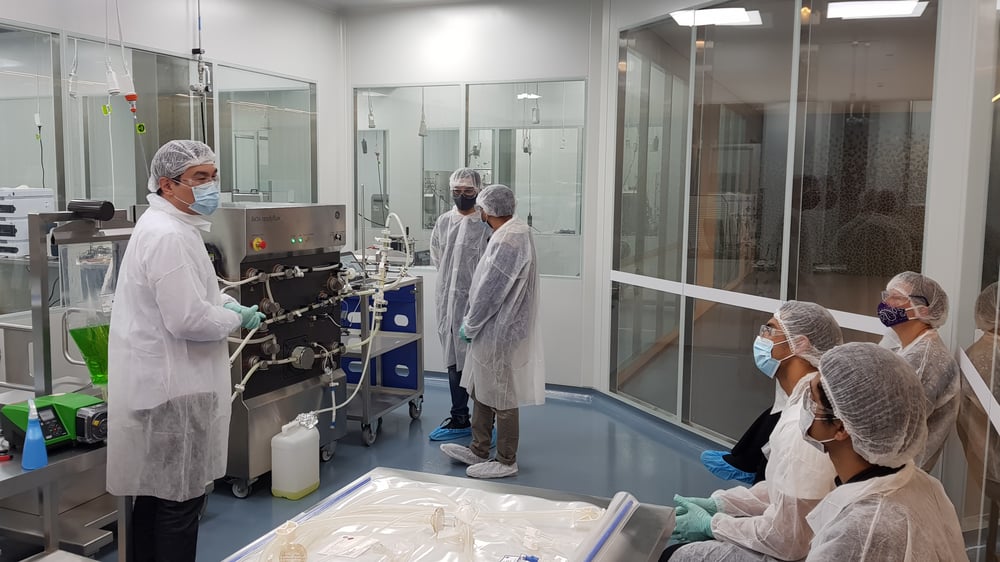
(396, 374)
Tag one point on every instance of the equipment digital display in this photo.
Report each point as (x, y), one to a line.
(46, 414)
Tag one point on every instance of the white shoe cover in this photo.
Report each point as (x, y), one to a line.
(491, 469)
(461, 453)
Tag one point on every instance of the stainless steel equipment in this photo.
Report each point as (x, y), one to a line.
(62, 505)
(287, 259)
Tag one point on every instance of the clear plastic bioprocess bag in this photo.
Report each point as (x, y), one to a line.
(88, 274)
(385, 517)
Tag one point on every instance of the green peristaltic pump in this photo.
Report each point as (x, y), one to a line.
(65, 419)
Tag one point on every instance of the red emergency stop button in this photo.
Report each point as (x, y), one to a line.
(258, 244)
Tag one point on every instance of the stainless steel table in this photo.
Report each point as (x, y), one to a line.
(14, 480)
(643, 537)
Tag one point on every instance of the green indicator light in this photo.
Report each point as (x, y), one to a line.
(300, 239)
(293, 240)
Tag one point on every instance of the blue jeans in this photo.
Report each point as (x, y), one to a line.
(459, 397)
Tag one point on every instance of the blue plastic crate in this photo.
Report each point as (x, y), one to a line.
(401, 310)
(400, 315)
(349, 306)
(399, 367)
(352, 366)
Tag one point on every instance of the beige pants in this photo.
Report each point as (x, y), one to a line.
(508, 431)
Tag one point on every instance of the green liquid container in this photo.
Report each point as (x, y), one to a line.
(93, 344)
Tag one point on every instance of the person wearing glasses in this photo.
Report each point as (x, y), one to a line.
(913, 307)
(769, 519)
(168, 360)
(867, 411)
(457, 243)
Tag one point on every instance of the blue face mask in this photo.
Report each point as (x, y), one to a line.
(891, 316)
(206, 198)
(762, 356)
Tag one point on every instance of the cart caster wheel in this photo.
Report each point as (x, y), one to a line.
(378, 428)
(241, 489)
(416, 407)
(326, 451)
(368, 434)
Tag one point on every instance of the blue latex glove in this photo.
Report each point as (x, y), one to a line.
(693, 523)
(708, 504)
(249, 317)
(461, 334)
(718, 466)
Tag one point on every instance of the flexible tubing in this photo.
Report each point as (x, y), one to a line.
(244, 381)
(239, 349)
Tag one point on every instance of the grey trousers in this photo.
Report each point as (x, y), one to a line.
(508, 431)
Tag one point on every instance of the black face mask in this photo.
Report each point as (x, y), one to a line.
(464, 203)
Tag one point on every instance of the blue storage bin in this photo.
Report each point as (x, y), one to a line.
(399, 367)
(400, 315)
(349, 307)
(401, 310)
(352, 366)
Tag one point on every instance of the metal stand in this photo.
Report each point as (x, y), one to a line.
(44, 481)
(376, 399)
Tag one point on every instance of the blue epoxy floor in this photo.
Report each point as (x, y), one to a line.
(585, 443)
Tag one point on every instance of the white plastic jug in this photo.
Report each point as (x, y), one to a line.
(294, 461)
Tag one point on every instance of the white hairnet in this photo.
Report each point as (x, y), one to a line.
(465, 177)
(176, 156)
(811, 329)
(497, 201)
(914, 284)
(986, 309)
(878, 397)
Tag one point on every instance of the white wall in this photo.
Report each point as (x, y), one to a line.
(280, 37)
(490, 42)
(487, 42)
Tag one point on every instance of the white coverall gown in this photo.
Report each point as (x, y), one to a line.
(768, 521)
(168, 365)
(457, 244)
(941, 379)
(505, 366)
(902, 517)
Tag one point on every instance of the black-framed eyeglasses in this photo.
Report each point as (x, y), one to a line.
(468, 192)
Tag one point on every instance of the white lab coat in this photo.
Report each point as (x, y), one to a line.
(505, 366)
(902, 517)
(168, 369)
(941, 379)
(457, 244)
(768, 521)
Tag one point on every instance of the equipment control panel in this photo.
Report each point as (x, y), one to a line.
(52, 427)
(295, 229)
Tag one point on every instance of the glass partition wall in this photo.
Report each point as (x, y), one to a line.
(62, 129)
(528, 136)
(979, 416)
(780, 157)
(266, 136)
(407, 145)
(27, 106)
